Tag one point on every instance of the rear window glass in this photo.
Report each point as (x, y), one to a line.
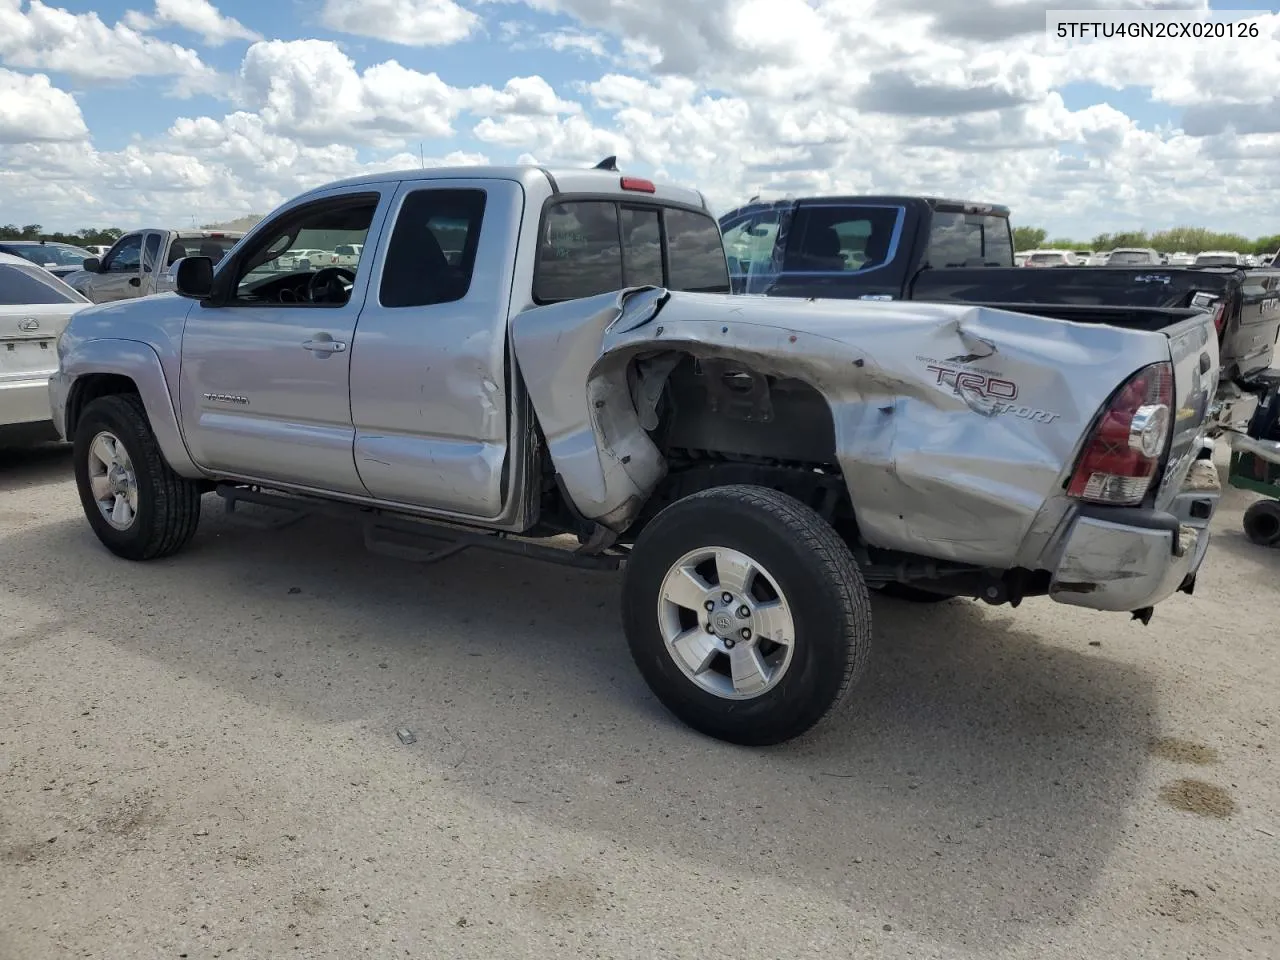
(589, 247)
(21, 285)
(215, 248)
(695, 253)
(970, 240)
(1042, 258)
(841, 239)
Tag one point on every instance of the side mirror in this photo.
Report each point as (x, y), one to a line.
(91, 265)
(193, 277)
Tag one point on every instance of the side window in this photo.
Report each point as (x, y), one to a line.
(641, 247)
(579, 254)
(695, 253)
(321, 225)
(432, 253)
(152, 252)
(125, 256)
(840, 239)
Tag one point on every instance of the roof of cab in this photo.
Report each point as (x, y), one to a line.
(938, 204)
(560, 180)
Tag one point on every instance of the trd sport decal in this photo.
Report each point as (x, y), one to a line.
(986, 394)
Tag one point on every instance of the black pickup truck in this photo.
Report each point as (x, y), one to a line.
(923, 248)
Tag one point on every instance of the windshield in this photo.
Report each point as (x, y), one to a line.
(1047, 257)
(50, 254)
(1215, 261)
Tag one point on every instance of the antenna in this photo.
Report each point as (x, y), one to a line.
(608, 163)
(421, 160)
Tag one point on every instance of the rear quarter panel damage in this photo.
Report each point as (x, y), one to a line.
(955, 425)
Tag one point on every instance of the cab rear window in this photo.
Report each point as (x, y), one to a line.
(589, 247)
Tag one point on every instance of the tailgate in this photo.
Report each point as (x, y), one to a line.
(1193, 348)
(29, 338)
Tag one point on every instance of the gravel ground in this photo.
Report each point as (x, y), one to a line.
(199, 758)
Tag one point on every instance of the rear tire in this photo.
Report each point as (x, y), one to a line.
(138, 507)
(1262, 523)
(797, 597)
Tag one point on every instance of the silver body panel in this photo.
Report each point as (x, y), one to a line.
(956, 426)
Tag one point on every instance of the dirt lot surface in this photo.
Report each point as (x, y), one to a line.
(199, 758)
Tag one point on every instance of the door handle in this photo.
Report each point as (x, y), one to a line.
(135, 282)
(324, 346)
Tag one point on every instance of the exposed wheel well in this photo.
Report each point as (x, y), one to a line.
(90, 387)
(720, 422)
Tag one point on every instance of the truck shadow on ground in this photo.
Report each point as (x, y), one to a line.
(976, 782)
(35, 466)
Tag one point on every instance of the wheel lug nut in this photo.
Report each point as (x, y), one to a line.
(730, 643)
(746, 634)
(710, 628)
(743, 611)
(710, 605)
(726, 597)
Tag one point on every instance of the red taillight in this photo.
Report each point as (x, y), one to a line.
(1220, 316)
(1124, 447)
(635, 183)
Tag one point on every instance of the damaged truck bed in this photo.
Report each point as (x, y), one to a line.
(522, 354)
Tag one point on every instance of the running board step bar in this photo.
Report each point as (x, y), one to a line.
(386, 533)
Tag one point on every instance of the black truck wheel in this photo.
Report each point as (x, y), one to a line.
(138, 507)
(1262, 523)
(746, 614)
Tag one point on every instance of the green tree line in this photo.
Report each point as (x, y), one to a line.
(104, 236)
(1177, 240)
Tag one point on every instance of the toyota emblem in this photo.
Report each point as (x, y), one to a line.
(28, 324)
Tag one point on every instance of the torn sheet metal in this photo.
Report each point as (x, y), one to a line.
(955, 424)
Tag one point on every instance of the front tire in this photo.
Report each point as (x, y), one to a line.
(794, 634)
(138, 507)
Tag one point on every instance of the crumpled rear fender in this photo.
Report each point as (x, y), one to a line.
(138, 362)
(955, 425)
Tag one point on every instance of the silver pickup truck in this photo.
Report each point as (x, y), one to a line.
(548, 363)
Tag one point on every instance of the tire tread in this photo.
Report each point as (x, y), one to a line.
(175, 508)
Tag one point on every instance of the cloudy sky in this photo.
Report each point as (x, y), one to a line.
(113, 112)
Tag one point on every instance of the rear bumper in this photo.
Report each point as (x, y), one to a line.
(1118, 559)
(25, 401)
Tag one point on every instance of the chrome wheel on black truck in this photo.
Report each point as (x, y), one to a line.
(746, 614)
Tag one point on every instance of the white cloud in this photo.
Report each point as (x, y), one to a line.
(198, 16)
(736, 97)
(414, 23)
(32, 109)
(81, 45)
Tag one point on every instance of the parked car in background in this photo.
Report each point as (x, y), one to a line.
(1051, 258)
(1133, 257)
(1083, 256)
(60, 259)
(1181, 259)
(304, 258)
(1218, 258)
(137, 264)
(756, 464)
(34, 308)
(346, 255)
(97, 249)
(1098, 259)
